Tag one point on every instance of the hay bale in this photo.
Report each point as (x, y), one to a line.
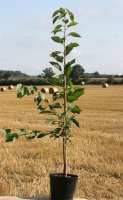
(10, 87)
(105, 85)
(45, 90)
(83, 83)
(2, 89)
(52, 90)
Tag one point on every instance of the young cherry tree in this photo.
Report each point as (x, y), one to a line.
(69, 93)
(61, 109)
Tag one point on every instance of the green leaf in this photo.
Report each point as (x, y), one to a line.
(72, 24)
(62, 15)
(55, 53)
(56, 65)
(68, 69)
(9, 136)
(41, 135)
(22, 91)
(33, 90)
(32, 135)
(23, 131)
(68, 122)
(55, 13)
(37, 100)
(79, 92)
(19, 95)
(7, 132)
(19, 86)
(71, 62)
(55, 19)
(55, 132)
(62, 10)
(63, 115)
(57, 29)
(70, 47)
(71, 15)
(46, 112)
(74, 109)
(75, 121)
(55, 81)
(12, 137)
(41, 107)
(57, 57)
(70, 83)
(58, 76)
(73, 96)
(65, 21)
(3, 131)
(55, 122)
(74, 34)
(58, 95)
(57, 39)
(47, 101)
(26, 91)
(56, 105)
(41, 95)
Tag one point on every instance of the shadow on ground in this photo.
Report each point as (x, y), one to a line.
(35, 198)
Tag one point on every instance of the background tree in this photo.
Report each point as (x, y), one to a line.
(77, 73)
(110, 79)
(7, 75)
(47, 73)
(122, 81)
(96, 74)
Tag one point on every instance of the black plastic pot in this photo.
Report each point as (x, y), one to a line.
(61, 187)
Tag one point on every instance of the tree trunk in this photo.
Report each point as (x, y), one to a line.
(65, 111)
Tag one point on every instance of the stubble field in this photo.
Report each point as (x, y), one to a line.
(95, 154)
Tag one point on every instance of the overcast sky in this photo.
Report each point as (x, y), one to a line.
(25, 31)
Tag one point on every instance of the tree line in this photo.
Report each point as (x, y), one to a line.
(77, 75)
(6, 74)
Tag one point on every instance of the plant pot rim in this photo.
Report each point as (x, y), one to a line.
(61, 175)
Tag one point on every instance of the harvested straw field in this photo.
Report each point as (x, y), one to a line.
(95, 154)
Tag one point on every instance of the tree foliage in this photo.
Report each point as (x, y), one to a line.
(61, 110)
(96, 74)
(48, 72)
(110, 79)
(76, 73)
(7, 75)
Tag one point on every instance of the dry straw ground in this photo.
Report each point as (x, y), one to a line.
(96, 153)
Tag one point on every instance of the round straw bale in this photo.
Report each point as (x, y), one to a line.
(52, 90)
(105, 85)
(10, 87)
(2, 89)
(83, 83)
(45, 90)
